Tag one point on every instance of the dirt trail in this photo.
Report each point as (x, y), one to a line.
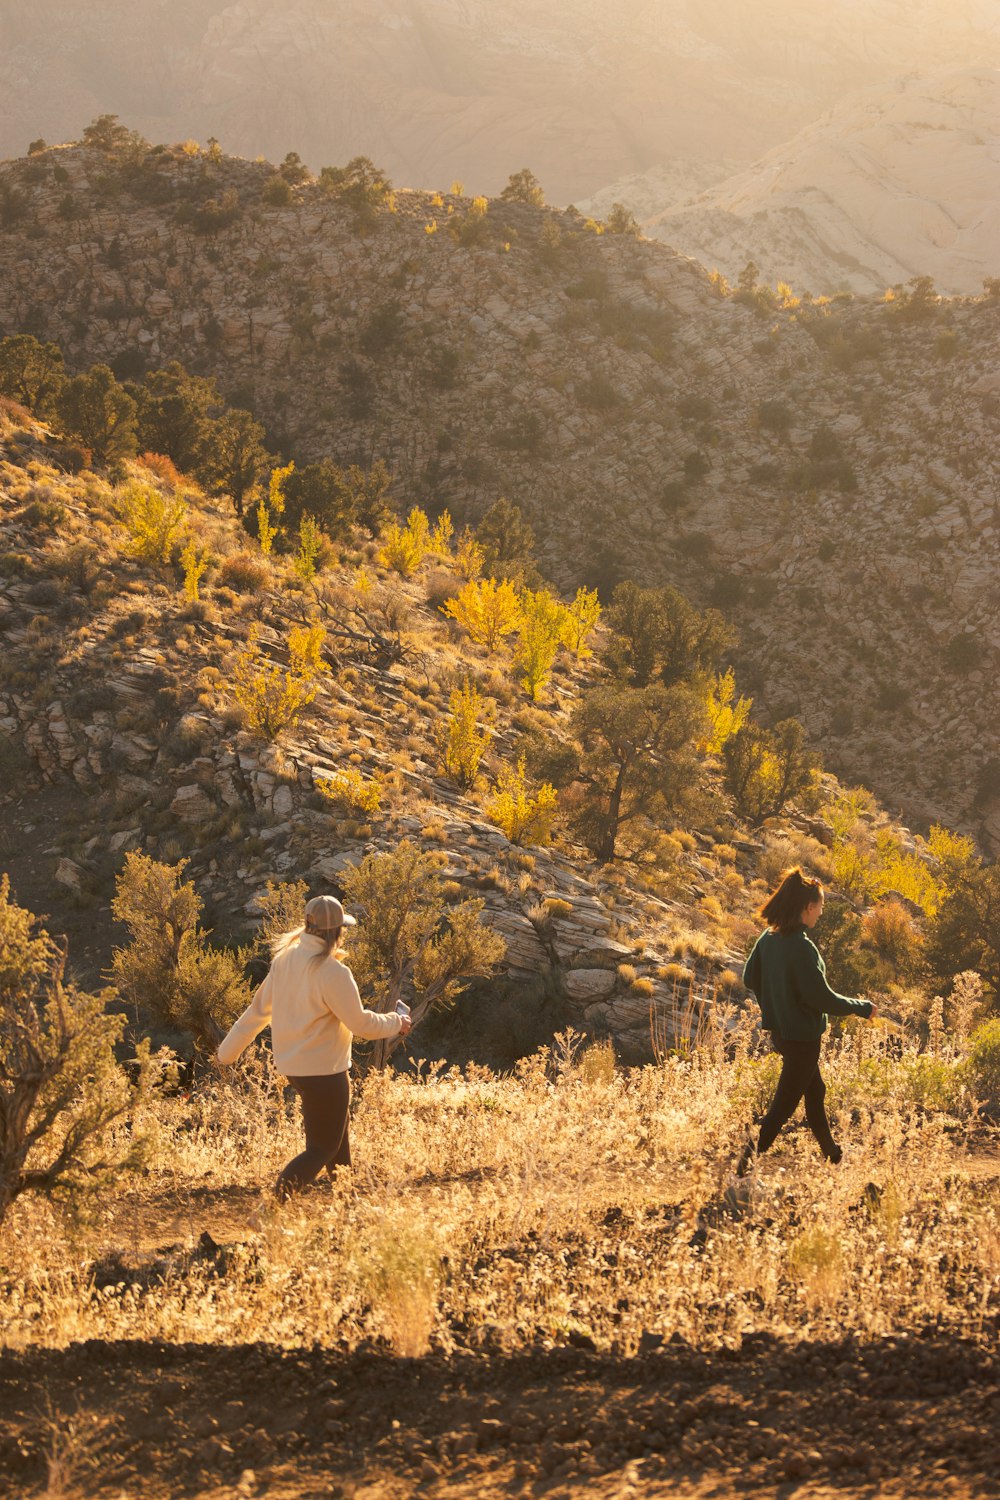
(905, 1418)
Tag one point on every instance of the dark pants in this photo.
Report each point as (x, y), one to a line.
(800, 1079)
(326, 1104)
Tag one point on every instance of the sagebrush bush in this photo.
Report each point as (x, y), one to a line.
(243, 573)
(62, 1091)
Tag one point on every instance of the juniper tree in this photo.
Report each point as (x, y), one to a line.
(635, 756)
(99, 413)
(31, 372)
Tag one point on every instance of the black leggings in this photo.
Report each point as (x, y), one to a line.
(326, 1105)
(800, 1079)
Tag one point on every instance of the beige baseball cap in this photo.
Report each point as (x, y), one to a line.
(325, 914)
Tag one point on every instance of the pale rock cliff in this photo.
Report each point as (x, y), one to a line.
(900, 182)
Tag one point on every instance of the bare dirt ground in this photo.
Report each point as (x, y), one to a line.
(908, 1417)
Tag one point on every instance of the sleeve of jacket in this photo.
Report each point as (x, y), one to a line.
(751, 970)
(250, 1024)
(343, 998)
(815, 992)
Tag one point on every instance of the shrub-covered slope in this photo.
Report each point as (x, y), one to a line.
(826, 473)
(180, 693)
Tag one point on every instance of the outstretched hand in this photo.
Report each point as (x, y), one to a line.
(405, 1025)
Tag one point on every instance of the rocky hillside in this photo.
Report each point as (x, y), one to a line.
(120, 730)
(437, 90)
(901, 181)
(826, 473)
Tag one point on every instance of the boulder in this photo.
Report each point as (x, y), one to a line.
(192, 803)
(69, 874)
(589, 985)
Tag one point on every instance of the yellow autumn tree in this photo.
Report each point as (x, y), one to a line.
(525, 816)
(272, 696)
(726, 717)
(469, 555)
(487, 610)
(272, 506)
(540, 628)
(194, 561)
(466, 737)
(155, 522)
(405, 547)
(581, 618)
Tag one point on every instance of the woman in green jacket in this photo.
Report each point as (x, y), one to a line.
(788, 978)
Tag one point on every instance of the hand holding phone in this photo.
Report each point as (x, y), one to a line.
(403, 1012)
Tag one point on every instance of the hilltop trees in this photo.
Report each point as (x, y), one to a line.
(524, 187)
(106, 133)
(361, 185)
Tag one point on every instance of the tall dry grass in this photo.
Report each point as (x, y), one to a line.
(567, 1200)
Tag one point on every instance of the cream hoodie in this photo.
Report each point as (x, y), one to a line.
(313, 1008)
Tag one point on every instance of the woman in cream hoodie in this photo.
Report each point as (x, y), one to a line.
(312, 1005)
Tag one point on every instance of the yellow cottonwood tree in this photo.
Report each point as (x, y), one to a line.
(486, 610)
(405, 547)
(525, 816)
(467, 735)
(581, 618)
(726, 718)
(540, 630)
(271, 696)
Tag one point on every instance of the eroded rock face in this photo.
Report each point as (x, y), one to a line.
(898, 182)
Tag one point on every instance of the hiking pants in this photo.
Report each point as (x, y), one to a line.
(326, 1103)
(800, 1079)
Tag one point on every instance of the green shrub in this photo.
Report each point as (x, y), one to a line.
(64, 1097)
(983, 1066)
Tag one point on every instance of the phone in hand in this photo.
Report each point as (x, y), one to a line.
(402, 1009)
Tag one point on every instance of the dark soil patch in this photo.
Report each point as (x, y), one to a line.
(905, 1417)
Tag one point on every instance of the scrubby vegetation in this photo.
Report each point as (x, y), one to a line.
(234, 673)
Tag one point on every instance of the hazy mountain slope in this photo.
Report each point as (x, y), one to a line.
(827, 475)
(903, 181)
(472, 89)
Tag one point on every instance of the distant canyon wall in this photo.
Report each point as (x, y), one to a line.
(436, 90)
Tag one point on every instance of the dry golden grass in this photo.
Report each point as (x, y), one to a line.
(565, 1199)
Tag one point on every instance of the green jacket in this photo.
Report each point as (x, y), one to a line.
(788, 977)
